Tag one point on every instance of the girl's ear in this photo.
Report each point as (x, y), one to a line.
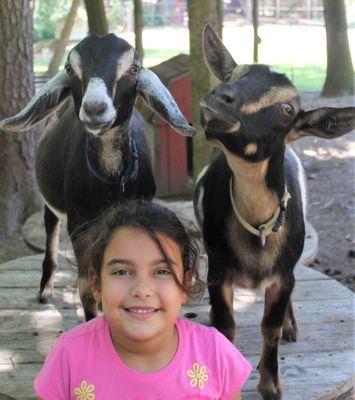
(94, 284)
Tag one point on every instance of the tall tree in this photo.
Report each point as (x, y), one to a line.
(201, 78)
(18, 196)
(257, 39)
(63, 40)
(97, 21)
(220, 17)
(340, 73)
(138, 28)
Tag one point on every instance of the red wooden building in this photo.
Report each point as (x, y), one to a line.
(172, 153)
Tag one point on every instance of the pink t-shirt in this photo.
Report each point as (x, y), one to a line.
(84, 365)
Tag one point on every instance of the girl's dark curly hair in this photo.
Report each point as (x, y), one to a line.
(92, 238)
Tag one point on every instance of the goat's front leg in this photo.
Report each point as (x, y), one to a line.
(86, 297)
(276, 303)
(221, 300)
(49, 265)
(289, 326)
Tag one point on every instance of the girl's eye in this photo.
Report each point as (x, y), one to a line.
(286, 109)
(121, 272)
(163, 271)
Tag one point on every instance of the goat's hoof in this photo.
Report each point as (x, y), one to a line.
(270, 393)
(45, 295)
(290, 335)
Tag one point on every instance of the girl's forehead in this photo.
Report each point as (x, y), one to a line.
(133, 240)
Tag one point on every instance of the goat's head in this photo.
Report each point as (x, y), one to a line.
(104, 75)
(256, 110)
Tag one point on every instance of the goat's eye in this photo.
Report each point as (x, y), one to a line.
(286, 109)
(68, 68)
(134, 69)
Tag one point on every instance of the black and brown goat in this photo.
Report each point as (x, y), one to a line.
(94, 150)
(250, 201)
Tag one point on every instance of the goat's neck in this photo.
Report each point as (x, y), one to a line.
(255, 194)
(111, 152)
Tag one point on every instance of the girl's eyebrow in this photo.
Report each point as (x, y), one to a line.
(130, 263)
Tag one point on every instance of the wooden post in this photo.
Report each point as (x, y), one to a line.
(97, 21)
(63, 40)
(255, 28)
(201, 78)
(138, 28)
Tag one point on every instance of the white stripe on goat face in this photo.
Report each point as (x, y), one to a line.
(96, 92)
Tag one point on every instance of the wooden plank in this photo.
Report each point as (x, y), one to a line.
(20, 298)
(304, 291)
(26, 348)
(308, 311)
(28, 279)
(46, 320)
(33, 263)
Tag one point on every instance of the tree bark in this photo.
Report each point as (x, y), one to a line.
(18, 196)
(138, 28)
(255, 30)
(202, 80)
(63, 40)
(220, 17)
(97, 21)
(340, 73)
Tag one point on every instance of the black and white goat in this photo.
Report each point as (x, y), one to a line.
(250, 201)
(94, 149)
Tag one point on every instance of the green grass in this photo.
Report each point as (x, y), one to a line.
(307, 78)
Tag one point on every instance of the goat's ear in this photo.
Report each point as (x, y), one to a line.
(162, 102)
(45, 101)
(217, 57)
(327, 123)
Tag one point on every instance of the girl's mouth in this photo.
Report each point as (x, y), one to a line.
(141, 312)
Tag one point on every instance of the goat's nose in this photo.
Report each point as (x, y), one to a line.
(95, 108)
(224, 93)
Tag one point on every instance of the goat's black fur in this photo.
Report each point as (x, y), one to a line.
(87, 148)
(251, 117)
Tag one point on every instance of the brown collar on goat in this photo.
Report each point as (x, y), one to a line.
(274, 223)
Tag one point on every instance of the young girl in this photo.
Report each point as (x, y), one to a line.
(142, 265)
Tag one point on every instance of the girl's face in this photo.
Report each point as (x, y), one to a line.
(139, 296)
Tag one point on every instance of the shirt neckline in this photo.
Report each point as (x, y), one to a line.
(125, 369)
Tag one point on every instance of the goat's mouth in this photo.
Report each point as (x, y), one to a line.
(98, 129)
(216, 121)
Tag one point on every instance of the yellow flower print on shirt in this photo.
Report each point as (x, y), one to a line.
(198, 375)
(84, 392)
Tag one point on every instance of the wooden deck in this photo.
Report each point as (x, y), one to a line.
(320, 362)
(320, 366)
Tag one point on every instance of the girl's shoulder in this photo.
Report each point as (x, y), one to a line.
(84, 331)
(194, 328)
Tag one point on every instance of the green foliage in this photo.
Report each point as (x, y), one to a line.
(46, 15)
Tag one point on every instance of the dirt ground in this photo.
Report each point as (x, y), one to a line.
(330, 170)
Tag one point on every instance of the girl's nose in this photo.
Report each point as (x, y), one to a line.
(141, 290)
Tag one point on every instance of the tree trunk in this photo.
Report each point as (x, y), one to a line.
(18, 196)
(340, 73)
(63, 40)
(255, 30)
(202, 80)
(220, 17)
(97, 21)
(138, 28)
